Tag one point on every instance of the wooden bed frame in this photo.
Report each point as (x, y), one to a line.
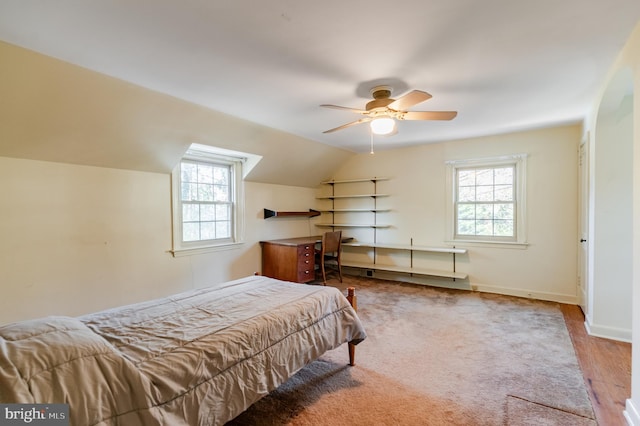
(353, 300)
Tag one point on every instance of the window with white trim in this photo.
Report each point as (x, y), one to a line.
(207, 200)
(206, 196)
(487, 199)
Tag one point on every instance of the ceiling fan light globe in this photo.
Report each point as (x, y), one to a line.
(382, 126)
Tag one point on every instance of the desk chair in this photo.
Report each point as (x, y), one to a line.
(329, 253)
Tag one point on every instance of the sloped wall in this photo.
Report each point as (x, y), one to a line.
(51, 110)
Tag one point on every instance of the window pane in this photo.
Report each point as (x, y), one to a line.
(484, 193)
(504, 176)
(484, 177)
(467, 193)
(466, 227)
(207, 230)
(189, 172)
(223, 230)
(484, 227)
(205, 173)
(466, 211)
(207, 212)
(504, 193)
(189, 191)
(221, 193)
(503, 228)
(223, 212)
(503, 211)
(190, 231)
(466, 177)
(221, 176)
(190, 212)
(484, 211)
(205, 192)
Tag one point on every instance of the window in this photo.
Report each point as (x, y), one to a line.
(207, 200)
(487, 199)
(206, 192)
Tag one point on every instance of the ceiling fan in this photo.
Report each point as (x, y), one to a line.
(382, 111)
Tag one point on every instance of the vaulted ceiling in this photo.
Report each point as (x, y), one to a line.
(504, 65)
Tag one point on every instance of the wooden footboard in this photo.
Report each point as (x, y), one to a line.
(351, 297)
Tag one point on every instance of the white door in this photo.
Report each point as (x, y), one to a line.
(583, 247)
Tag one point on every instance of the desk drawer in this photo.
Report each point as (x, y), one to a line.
(305, 262)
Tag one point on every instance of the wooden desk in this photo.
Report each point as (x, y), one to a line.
(290, 259)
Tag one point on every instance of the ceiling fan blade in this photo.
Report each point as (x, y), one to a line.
(359, 111)
(428, 115)
(353, 123)
(410, 99)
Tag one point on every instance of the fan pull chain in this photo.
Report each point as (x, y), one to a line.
(371, 143)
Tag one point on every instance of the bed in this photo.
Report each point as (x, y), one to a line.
(197, 358)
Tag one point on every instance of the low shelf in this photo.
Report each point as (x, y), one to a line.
(408, 247)
(351, 225)
(376, 266)
(406, 269)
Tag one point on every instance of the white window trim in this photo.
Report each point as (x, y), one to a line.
(204, 153)
(520, 162)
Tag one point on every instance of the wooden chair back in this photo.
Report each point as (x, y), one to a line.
(330, 251)
(332, 242)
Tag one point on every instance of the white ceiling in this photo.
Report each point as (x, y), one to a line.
(504, 65)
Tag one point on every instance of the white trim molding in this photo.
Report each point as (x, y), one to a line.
(520, 162)
(631, 413)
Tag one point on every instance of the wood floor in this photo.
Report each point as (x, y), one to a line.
(606, 367)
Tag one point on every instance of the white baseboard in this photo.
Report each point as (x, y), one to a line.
(531, 294)
(613, 333)
(631, 414)
(570, 299)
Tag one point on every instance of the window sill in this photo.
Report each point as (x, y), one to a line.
(490, 244)
(202, 250)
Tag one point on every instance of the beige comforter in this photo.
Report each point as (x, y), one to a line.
(197, 358)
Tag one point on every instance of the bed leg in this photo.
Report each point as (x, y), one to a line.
(353, 300)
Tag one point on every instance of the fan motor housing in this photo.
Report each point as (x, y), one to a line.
(378, 103)
(381, 98)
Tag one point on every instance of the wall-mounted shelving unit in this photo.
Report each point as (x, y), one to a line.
(373, 245)
(374, 195)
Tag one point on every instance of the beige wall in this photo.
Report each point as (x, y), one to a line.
(544, 269)
(77, 239)
(628, 62)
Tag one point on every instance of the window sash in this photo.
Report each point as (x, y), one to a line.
(206, 203)
(485, 202)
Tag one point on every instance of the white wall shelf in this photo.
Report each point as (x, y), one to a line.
(335, 197)
(374, 265)
(406, 270)
(408, 247)
(351, 225)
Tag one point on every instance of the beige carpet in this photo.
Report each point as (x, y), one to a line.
(439, 357)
